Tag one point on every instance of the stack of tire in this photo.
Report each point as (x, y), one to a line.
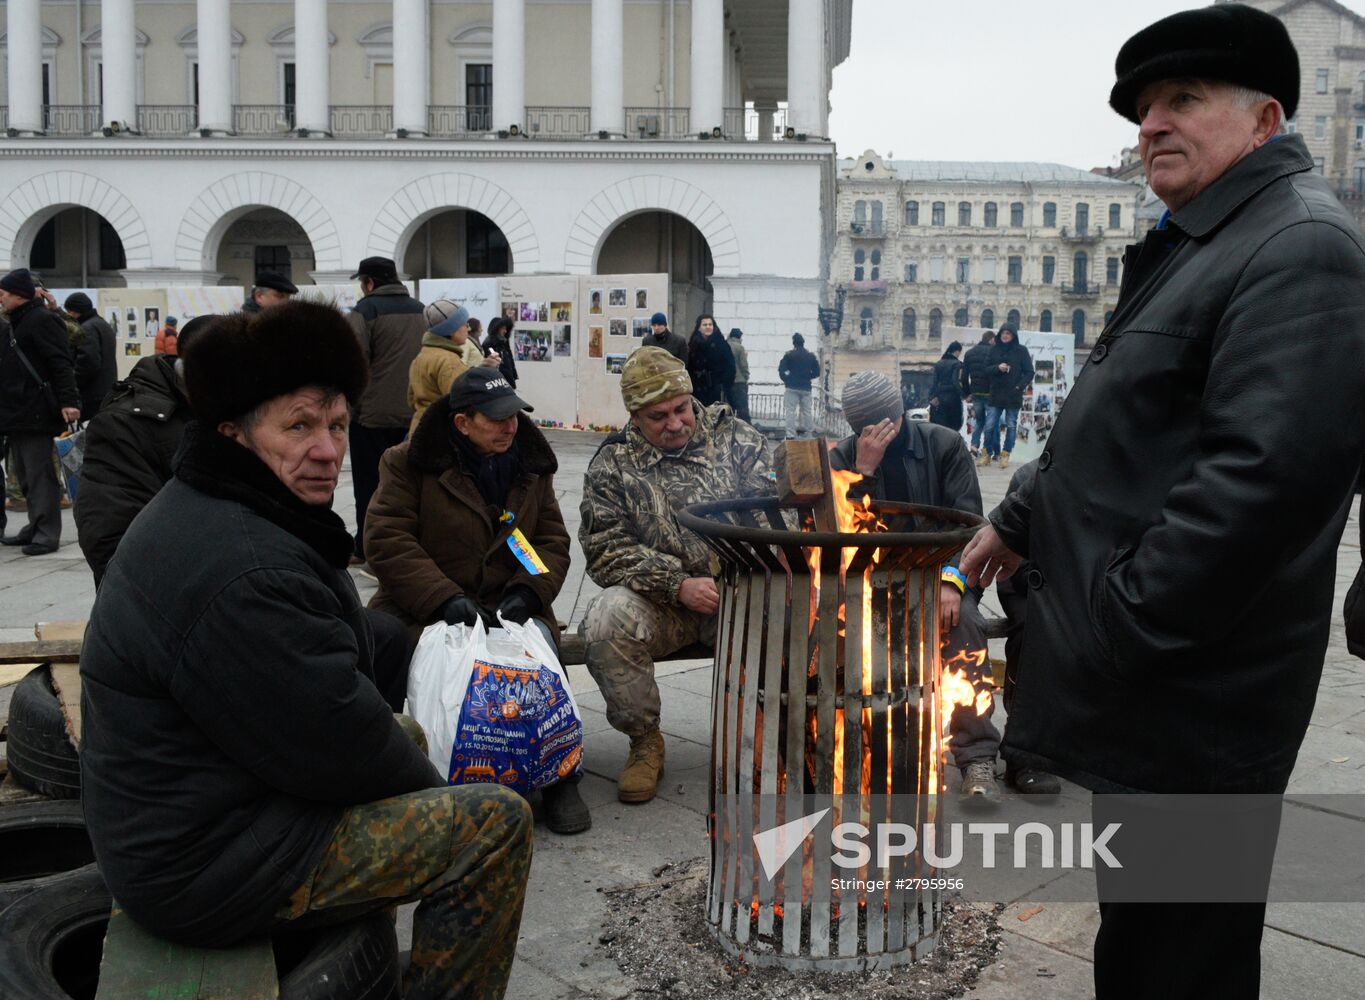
(54, 906)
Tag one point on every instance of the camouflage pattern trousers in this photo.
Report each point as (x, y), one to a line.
(624, 633)
(461, 853)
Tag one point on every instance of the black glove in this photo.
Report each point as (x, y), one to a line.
(461, 611)
(518, 604)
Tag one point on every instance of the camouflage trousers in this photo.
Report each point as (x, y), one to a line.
(461, 853)
(624, 633)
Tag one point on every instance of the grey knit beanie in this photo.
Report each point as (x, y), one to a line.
(869, 398)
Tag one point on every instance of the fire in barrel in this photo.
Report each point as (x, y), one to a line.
(829, 701)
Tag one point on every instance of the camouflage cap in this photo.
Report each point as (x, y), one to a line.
(652, 375)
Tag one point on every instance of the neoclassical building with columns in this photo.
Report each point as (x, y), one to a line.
(158, 143)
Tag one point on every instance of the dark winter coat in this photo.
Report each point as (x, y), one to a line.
(674, 343)
(430, 535)
(950, 386)
(129, 451)
(228, 701)
(1354, 608)
(976, 362)
(96, 363)
(798, 368)
(1007, 388)
(1185, 518)
(25, 406)
(711, 366)
(389, 323)
(507, 364)
(936, 470)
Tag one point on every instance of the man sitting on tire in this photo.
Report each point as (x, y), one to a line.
(240, 771)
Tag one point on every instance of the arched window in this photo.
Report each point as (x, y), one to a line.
(908, 324)
(1013, 317)
(935, 324)
(988, 317)
(964, 213)
(912, 213)
(1078, 326)
(866, 322)
(1082, 219)
(960, 317)
(936, 212)
(1115, 216)
(1045, 321)
(1017, 214)
(1080, 271)
(990, 212)
(859, 256)
(1049, 214)
(876, 265)
(860, 211)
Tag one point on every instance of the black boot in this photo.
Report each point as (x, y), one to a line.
(565, 810)
(1031, 781)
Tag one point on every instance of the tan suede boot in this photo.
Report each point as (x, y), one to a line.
(644, 767)
(984, 459)
(1004, 459)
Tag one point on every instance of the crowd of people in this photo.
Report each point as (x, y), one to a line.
(243, 764)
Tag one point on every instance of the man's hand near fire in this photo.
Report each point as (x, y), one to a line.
(987, 559)
(699, 594)
(949, 608)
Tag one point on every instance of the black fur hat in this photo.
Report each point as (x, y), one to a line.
(241, 361)
(1230, 42)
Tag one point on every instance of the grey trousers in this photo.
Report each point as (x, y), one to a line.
(38, 480)
(624, 632)
(971, 737)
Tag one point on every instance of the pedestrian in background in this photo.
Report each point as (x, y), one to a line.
(739, 391)
(949, 389)
(38, 397)
(1010, 369)
(389, 324)
(499, 342)
(797, 369)
(447, 353)
(660, 335)
(975, 363)
(271, 289)
(97, 374)
(167, 338)
(710, 362)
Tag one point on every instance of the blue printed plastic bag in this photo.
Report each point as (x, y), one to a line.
(496, 706)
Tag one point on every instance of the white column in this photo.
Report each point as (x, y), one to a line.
(766, 110)
(509, 64)
(312, 68)
(411, 47)
(24, 25)
(608, 66)
(708, 65)
(118, 48)
(805, 65)
(215, 65)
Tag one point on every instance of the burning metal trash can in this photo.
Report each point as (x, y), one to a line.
(827, 704)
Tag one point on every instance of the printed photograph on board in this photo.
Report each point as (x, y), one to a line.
(642, 298)
(615, 363)
(561, 312)
(132, 349)
(619, 328)
(151, 321)
(509, 310)
(595, 302)
(639, 327)
(617, 297)
(532, 345)
(563, 341)
(594, 341)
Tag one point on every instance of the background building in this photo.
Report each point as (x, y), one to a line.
(932, 251)
(172, 143)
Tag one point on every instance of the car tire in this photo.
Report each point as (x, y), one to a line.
(40, 842)
(41, 756)
(357, 960)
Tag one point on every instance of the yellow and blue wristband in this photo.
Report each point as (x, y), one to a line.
(951, 574)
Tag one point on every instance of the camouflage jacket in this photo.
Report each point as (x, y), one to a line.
(632, 491)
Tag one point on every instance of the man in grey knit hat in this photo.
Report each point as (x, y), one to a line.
(923, 463)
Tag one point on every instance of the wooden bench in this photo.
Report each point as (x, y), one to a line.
(139, 964)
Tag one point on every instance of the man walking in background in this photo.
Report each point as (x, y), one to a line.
(1010, 370)
(974, 363)
(739, 390)
(389, 324)
(96, 360)
(797, 369)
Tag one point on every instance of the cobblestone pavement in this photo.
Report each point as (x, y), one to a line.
(1309, 950)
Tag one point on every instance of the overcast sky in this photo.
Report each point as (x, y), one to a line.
(989, 79)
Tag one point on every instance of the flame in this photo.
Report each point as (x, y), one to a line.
(957, 687)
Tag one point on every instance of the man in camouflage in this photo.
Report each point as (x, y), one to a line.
(660, 590)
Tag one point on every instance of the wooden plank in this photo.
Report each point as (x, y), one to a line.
(66, 680)
(60, 630)
(136, 963)
(800, 468)
(44, 651)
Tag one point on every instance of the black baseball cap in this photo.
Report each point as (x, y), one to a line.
(484, 389)
(376, 267)
(276, 281)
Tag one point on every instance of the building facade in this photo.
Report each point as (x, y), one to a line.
(170, 143)
(929, 252)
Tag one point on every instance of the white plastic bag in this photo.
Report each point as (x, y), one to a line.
(495, 705)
